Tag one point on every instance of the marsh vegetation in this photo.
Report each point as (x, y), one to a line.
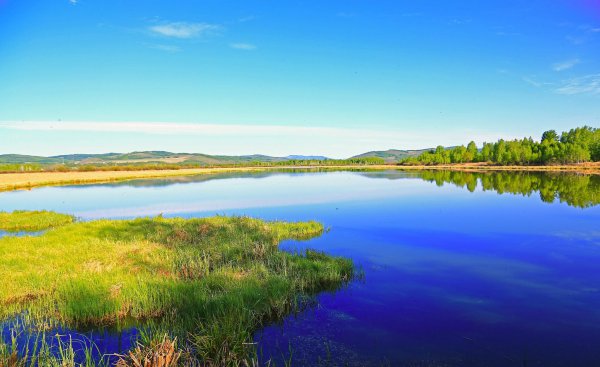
(207, 282)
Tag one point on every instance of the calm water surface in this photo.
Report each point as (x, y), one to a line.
(454, 273)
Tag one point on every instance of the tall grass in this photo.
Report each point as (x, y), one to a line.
(209, 282)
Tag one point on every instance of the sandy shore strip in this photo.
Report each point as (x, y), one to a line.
(27, 180)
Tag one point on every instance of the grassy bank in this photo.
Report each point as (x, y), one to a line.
(28, 180)
(32, 220)
(211, 282)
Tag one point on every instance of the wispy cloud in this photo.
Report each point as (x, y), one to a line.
(576, 40)
(246, 19)
(411, 14)
(359, 138)
(588, 84)
(459, 21)
(505, 31)
(166, 48)
(243, 46)
(534, 82)
(580, 34)
(589, 28)
(565, 65)
(507, 34)
(74, 2)
(184, 29)
(344, 14)
(177, 128)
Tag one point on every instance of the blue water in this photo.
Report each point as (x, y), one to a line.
(104, 344)
(19, 233)
(451, 277)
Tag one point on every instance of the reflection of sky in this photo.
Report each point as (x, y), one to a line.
(471, 279)
(18, 234)
(211, 196)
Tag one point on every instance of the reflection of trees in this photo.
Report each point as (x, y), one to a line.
(574, 189)
(577, 190)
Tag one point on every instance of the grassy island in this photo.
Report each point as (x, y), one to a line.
(21, 220)
(209, 282)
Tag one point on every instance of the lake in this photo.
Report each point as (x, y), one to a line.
(460, 269)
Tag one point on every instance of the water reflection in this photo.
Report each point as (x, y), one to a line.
(19, 234)
(579, 190)
(103, 345)
(227, 191)
(455, 275)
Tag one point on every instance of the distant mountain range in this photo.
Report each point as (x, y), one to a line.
(389, 156)
(148, 157)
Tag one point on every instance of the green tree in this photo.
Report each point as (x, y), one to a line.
(472, 152)
(577, 145)
(550, 136)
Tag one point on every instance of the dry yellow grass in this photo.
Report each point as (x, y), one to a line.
(16, 181)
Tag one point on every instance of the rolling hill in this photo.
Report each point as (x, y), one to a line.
(392, 155)
(20, 158)
(148, 157)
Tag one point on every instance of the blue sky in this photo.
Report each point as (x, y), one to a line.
(292, 77)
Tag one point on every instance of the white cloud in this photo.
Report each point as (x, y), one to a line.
(266, 139)
(588, 84)
(243, 46)
(74, 2)
(184, 29)
(166, 48)
(565, 65)
(534, 82)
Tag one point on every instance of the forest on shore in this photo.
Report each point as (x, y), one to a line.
(578, 145)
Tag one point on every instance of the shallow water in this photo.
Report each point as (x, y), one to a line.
(19, 234)
(455, 274)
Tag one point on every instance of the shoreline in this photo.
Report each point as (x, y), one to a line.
(585, 168)
(29, 180)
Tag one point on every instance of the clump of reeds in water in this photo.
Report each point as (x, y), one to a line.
(162, 354)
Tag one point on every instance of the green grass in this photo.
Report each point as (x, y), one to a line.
(211, 282)
(20, 220)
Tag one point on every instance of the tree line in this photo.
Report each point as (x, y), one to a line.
(578, 145)
(358, 161)
(72, 167)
